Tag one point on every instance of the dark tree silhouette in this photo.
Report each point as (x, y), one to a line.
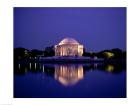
(118, 53)
(20, 53)
(35, 53)
(88, 54)
(49, 51)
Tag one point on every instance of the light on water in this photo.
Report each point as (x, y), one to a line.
(70, 80)
(30, 65)
(68, 74)
(35, 66)
(43, 68)
(19, 65)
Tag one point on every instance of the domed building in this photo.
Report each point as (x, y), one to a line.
(69, 47)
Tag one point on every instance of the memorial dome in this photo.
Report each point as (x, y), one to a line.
(68, 41)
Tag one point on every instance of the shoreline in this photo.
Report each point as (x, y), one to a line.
(71, 60)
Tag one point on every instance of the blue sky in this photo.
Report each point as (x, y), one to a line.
(96, 28)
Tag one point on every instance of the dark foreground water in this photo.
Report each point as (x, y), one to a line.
(97, 80)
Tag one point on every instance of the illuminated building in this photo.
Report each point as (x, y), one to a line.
(68, 47)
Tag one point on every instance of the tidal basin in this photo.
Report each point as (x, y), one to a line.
(93, 80)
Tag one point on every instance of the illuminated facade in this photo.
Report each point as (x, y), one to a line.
(68, 47)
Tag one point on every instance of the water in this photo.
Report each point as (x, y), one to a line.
(97, 80)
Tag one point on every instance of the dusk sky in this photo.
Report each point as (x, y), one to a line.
(96, 28)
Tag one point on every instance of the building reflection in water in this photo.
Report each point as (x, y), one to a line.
(69, 74)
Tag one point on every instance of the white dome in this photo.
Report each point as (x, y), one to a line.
(68, 41)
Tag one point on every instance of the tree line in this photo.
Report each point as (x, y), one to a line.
(21, 53)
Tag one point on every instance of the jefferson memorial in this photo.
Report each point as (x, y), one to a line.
(69, 47)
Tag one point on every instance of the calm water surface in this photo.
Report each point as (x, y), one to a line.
(41, 80)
